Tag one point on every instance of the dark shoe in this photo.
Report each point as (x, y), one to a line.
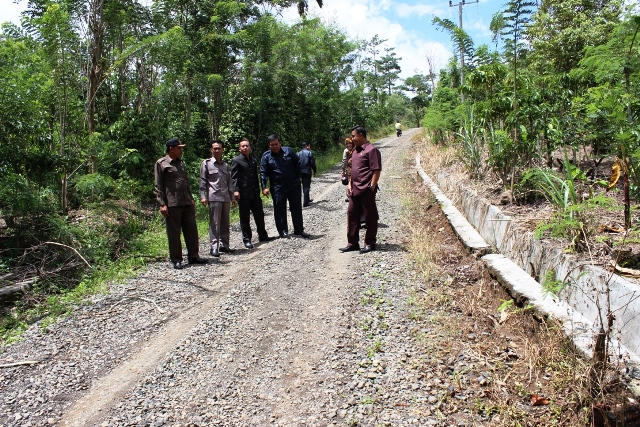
(367, 248)
(266, 239)
(303, 235)
(177, 265)
(227, 250)
(350, 248)
(305, 206)
(248, 245)
(284, 235)
(214, 252)
(197, 261)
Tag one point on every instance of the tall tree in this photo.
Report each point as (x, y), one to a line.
(389, 67)
(511, 25)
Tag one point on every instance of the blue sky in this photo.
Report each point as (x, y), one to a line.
(406, 25)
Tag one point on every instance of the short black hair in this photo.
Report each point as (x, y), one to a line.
(273, 137)
(360, 130)
(244, 138)
(217, 141)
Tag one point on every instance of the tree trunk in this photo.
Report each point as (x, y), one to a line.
(96, 29)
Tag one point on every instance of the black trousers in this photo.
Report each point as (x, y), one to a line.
(280, 199)
(306, 187)
(247, 207)
(182, 218)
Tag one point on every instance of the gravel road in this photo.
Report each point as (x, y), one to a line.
(291, 333)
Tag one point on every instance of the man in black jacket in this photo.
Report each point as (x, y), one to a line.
(307, 167)
(280, 166)
(244, 181)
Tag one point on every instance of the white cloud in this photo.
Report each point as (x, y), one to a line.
(405, 10)
(363, 19)
(11, 11)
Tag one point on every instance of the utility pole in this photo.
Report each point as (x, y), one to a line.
(460, 4)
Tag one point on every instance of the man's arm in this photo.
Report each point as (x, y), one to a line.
(374, 179)
(160, 190)
(235, 174)
(204, 196)
(264, 174)
(296, 165)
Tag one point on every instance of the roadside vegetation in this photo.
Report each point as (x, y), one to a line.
(519, 366)
(545, 120)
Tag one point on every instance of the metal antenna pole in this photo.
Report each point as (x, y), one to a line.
(460, 4)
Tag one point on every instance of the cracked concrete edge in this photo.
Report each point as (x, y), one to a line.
(522, 286)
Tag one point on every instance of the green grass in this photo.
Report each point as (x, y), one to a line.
(328, 159)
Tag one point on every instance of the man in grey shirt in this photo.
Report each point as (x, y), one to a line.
(217, 192)
(176, 204)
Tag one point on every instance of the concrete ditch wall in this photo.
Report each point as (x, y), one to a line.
(584, 301)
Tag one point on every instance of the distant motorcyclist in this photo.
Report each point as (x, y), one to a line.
(398, 129)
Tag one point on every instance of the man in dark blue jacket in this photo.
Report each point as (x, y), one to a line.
(307, 166)
(281, 167)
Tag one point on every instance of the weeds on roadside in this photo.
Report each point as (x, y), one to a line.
(472, 145)
(375, 348)
(577, 222)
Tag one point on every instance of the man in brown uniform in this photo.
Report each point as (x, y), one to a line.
(177, 204)
(366, 164)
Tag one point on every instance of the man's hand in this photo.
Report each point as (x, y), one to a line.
(265, 192)
(236, 195)
(203, 201)
(164, 210)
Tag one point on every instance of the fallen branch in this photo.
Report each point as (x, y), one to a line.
(69, 247)
(626, 271)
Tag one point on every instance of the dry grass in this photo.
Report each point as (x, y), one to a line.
(496, 362)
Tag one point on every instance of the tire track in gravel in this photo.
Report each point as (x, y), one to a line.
(334, 296)
(110, 388)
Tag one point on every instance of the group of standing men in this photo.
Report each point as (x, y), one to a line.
(222, 185)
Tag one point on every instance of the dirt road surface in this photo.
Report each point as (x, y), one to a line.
(291, 333)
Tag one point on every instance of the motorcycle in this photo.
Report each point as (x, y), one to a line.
(398, 132)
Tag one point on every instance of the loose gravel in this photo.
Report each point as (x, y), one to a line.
(291, 333)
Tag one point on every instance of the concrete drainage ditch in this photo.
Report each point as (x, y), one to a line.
(521, 263)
